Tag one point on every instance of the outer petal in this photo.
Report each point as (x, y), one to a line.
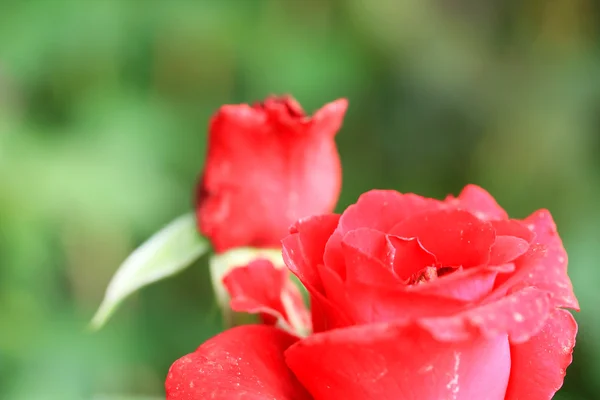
(267, 166)
(242, 363)
(326, 315)
(329, 119)
(507, 249)
(524, 266)
(521, 315)
(455, 238)
(259, 287)
(550, 272)
(303, 248)
(387, 362)
(539, 365)
(382, 209)
(512, 227)
(479, 202)
(376, 209)
(370, 304)
(303, 254)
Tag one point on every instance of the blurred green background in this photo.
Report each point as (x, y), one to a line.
(104, 106)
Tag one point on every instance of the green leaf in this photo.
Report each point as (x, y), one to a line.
(166, 253)
(221, 264)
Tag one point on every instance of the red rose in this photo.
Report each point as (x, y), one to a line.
(267, 166)
(411, 298)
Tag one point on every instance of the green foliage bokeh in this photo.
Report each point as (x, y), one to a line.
(104, 106)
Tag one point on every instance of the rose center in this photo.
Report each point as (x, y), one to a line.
(428, 274)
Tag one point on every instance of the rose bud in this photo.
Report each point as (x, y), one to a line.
(267, 166)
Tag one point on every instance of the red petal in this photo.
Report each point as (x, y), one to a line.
(479, 202)
(369, 304)
(267, 167)
(388, 362)
(539, 365)
(369, 295)
(284, 110)
(242, 363)
(376, 209)
(409, 256)
(334, 286)
(303, 253)
(303, 249)
(512, 227)
(507, 249)
(523, 266)
(326, 315)
(328, 120)
(466, 285)
(261, 288)
(330, 312)
(455, 238)
(382, 209)
(520, 315)
(368, 257)
(550, 272)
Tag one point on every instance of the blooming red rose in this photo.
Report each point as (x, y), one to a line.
(411, 298)
(267, 166)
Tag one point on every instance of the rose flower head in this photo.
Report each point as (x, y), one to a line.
(411, 298)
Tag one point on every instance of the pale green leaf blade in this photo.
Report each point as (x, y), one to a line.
(166, 253)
